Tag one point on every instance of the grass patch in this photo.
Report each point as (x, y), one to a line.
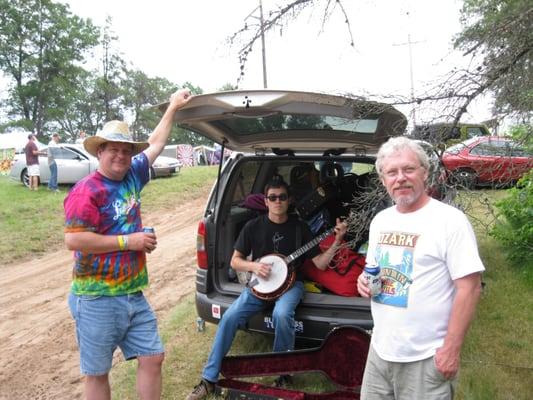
(31, 223)
(165, 193)
(496, 358)
(182, 363)
(497, 354)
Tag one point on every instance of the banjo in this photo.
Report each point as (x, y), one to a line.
(282, 274)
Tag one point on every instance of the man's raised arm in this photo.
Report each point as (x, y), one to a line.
(159, 136)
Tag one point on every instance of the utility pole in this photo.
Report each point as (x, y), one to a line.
(262, 26)
(263, 43)
(409, 43)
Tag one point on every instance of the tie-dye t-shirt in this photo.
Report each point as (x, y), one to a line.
(101, 205)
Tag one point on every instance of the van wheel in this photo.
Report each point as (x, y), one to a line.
(25, 178)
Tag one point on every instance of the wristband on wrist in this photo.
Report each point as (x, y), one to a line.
(122, 242)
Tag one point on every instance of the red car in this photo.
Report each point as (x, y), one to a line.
(487, 161)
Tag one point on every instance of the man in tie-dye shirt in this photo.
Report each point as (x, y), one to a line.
(104, 228)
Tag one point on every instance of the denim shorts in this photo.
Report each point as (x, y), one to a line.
(104, 323)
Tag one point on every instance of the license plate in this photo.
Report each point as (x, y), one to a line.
(298, 325)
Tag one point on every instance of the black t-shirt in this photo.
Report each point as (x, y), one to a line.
(260, 237)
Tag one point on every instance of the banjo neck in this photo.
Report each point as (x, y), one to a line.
(308, 246)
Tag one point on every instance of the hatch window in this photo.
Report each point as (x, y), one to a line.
(298, 122)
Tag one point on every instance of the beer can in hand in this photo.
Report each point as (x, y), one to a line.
(372, 275)
(148, 229)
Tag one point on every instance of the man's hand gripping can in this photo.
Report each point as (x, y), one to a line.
(372, 275)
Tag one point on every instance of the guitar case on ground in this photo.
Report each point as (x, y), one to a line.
(341, 358)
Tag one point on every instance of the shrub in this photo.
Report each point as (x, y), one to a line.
(514, 227)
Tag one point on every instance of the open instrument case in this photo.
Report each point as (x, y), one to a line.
(341, 358)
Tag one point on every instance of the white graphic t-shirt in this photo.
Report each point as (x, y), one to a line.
(420, 254)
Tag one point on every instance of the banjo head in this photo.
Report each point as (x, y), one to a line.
(278, 275)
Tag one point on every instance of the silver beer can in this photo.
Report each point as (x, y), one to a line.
(148, 229)
(372, 275)
(200, 324)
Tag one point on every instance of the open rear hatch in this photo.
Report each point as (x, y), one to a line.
(270, 120)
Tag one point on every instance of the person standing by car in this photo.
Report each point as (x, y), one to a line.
(52, 145)
(32, 162)
(104, 228)
(431, 283)
(81, 137)
(275, 232)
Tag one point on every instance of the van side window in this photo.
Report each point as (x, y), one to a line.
(246, 181)
(285, 172)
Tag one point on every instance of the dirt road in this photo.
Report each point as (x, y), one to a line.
(38, 353)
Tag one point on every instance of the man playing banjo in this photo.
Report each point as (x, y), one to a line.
(279, 233)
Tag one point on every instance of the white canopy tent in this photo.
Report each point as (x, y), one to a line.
(16, 141)
(11, 143)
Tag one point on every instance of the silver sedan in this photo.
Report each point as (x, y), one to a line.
(164, 166)
(74, 163)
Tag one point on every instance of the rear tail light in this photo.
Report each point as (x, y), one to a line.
(201, 253)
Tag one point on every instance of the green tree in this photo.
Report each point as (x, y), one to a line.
(181, 135)
(110, 77)
(41, 47)
(141, 95)
(499, 37)
(79, 108)
(98, 95)
(523, 134)
(227, 87)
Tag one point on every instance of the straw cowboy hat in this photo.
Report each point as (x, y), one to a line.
(113, 131)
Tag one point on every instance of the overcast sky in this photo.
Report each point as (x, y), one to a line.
(186, 41)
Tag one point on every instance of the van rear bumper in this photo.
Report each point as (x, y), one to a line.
(312, 323)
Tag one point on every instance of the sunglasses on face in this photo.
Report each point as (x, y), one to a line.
(281, 197)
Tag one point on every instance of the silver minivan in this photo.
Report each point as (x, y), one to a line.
(324, 146)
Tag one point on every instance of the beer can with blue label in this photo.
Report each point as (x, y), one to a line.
(148, 229)
(372, 274)
(200, 324)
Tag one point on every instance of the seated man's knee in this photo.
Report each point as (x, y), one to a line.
(282, 316)
(229, 319)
